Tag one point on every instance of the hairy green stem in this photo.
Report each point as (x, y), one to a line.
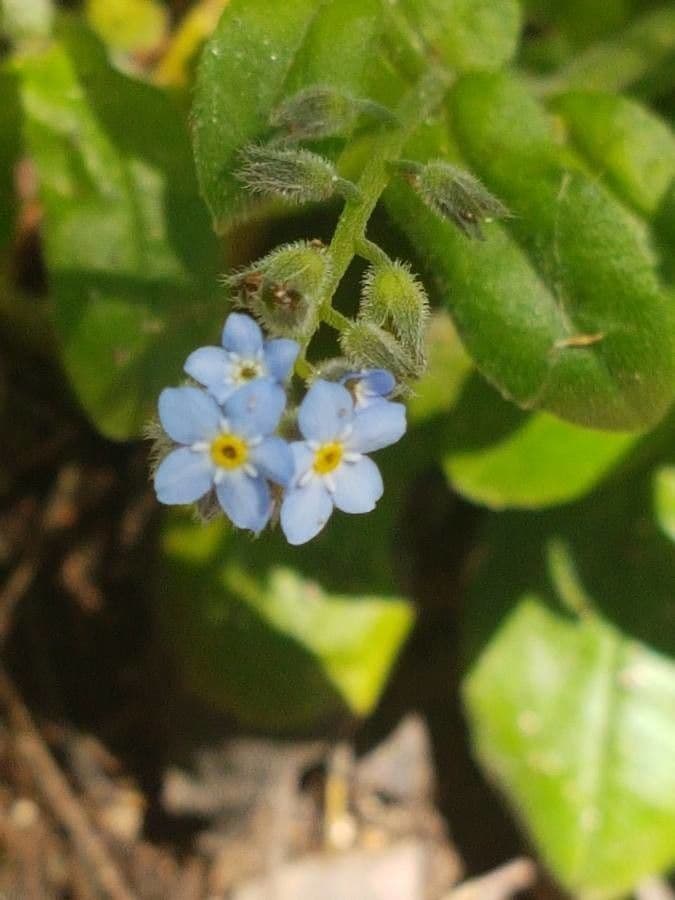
(371, 252)
(420, 102)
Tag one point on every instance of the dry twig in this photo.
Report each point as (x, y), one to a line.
(56, 792)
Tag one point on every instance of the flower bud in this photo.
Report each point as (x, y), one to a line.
(321, 111)
(367, 346)
(454, 194)
(282, 289)
(394, 299)
(296, 175)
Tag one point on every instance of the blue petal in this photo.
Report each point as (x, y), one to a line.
(183, 476)
(379, 382)
(325, 411)
(280, 356)
(188, 414)
(274, 459)
(246, 500)
(242, 335)
(377, 426)
(208, 365)
(358, 486)
(305, 511)
(255, 409)
(374, 382)
(303, 458)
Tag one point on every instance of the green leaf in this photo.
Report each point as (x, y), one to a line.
(664, 499)
(624, 142)
(571, 690)
(263, 631)
(259, 54)
(467, 34)
(561, 308)
(131, 256)
(626, 58)
(500, 456)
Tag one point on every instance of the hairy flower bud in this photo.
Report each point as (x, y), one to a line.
(321, 111)
(296, 175)
(282, 289)
(367, 346)
(395, 300)
(454, 194)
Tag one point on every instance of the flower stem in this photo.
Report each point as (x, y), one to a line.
(371, 252)
(350, 232)
(335, 319)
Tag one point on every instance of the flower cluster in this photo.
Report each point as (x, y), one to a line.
(225, 438)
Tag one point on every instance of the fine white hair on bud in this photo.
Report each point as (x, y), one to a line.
(367, 346)
(394, 299)
(296, 175)
(322, 111)
(454, 194)
(282, 289)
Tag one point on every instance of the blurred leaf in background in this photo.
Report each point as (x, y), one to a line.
(132, 261)
(577, 607)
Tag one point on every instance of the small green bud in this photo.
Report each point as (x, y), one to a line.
(296, 175)
(394, 299)
(454, 194)
(320, 111)
(282, 289)
(367, 346)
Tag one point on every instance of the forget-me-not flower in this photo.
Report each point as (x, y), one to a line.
(244, 357)
(230, 449)
(369, 386)
(330, 466)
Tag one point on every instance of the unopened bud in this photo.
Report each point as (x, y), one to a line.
(320, 111)
(367, 346)
(282, 289)
(296, 175)
(454, 194)
(395, 300)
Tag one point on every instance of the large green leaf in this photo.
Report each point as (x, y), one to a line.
(281, 636)
(131, 256)
(571, 690)
(467, 34)
(624, 142)
(561, 308)
(495, 454)
(275, 647)
(624, 59)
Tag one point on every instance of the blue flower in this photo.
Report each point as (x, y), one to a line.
(330, 466)
(229, 449)
(369, 386)
(244, 357)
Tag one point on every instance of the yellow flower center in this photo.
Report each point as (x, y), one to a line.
(229, 451)
(248, 370)
(328, 457)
